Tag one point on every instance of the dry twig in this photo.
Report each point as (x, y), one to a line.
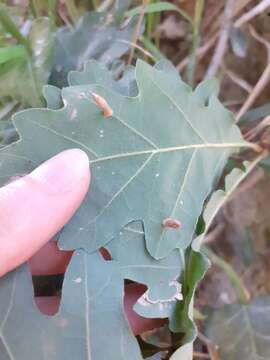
(243, 84)
(222, 42)
(256, 10)
(263, 80)
(254, 131)
(203, 50)
(198, 355)
(137, 31)
(213, 36)
(211, 347)
(140, 48)
(211, 236)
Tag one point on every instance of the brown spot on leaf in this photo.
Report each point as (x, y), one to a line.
(171, 223)
(103, 105)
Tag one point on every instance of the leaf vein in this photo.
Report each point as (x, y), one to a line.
(87, 313)
(180, 110)
(122, 188)
(65, 137)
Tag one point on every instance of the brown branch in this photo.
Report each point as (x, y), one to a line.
(223, 40)
(263, 80)
(210, 42)
(137, 32)
(243, 84)
(198, 355)
(203, 50)
(211, 347)
(256, 10)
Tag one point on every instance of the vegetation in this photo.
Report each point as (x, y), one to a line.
(185, 166)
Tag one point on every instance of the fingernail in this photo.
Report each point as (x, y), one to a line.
(63, 172)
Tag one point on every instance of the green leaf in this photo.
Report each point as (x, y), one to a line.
(152, 48)
(7, 110)
(10, 27)
(241, 331)
(198, 264)
(90, 323)
(25, 75)
(95, 36)
(17, 75)
(156, 147)
(52, 95)
(221, 196)
(41, 42)
(12, 52)
(158, 7)
(182, 321)
(95, 73)
(160, 276)
(180, 313)
(120, 6)
(8, 133)
(90, 314)
(154, 154)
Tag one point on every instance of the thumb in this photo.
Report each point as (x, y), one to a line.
(35, 207)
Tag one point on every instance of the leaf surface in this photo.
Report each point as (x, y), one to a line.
(95, 36)
(90, 323)
(183, 353)
(157, 147)
(96, 73)
(160, 276)
(242, 331)
(221, 196)
(182, 319)
(120, 6)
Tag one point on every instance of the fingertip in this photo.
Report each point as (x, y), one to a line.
(34, 208)
(64, 172)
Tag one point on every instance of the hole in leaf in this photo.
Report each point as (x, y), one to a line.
(47, 285)
(206, 101)
(48, 269)
(138, 324)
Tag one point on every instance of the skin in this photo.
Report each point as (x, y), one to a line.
(59, 185)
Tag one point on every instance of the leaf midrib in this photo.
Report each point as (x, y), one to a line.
(170, 149)
(152, 151)
(144, 152)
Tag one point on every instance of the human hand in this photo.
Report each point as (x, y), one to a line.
(34, 208)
